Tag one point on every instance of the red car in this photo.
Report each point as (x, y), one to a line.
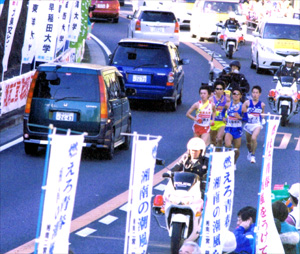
(106, 10)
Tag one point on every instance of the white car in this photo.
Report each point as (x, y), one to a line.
(183, 11)
(274, 39)
(155, 24)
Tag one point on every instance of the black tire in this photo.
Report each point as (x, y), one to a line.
(230, 51)
(176, 237)
(258, 69)
(172, 105)
(111, 150)
(179, 101)
(252, 65)
(31, 149)
(201, 39)
(193, 35)
(284, 115)
(127, 142)
(116, 20)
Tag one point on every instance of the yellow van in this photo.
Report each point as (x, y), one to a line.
(207, 13)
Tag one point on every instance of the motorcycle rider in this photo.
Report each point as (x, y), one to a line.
(232, 20)
(288, 69)
(194, 161)
(235, 80)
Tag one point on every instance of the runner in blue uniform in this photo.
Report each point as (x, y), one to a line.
(233, 129)
(254, 108)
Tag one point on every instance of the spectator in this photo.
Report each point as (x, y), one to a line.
(244, 233)
(289, 235)
(189, 248)
(294, 216)
(230, 243)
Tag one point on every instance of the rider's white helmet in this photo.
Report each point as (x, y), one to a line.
(196, 144)
(230, 242)
(294, 190)
(231, 15)
(289, 59)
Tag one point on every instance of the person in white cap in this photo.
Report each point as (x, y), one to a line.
(230, 243)
(294, 216)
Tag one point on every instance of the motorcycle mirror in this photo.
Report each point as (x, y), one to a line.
(160, 162)
(166, 175)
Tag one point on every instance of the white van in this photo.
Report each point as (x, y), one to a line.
(207, 13)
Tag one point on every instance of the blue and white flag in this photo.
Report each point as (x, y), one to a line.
(219, 201)
(12, 21)
(1, 6)
(75, 22)
(140, 194)
(63, 171)
(267, 237)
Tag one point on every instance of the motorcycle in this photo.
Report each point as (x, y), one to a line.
(231, 39)
(285, 98)
(182, 206)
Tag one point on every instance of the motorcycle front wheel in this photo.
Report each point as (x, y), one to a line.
(176, 237)
(284, 115)
(230, 51)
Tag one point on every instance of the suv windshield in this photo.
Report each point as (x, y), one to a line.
(154, 16)
(142, 55)
(69, 86)
(281, 31)
(221, 7)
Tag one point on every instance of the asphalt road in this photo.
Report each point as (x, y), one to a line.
(102, 184)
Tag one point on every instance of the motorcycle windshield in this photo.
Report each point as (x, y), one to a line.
(184, 180)
(232, 28)
(286, 81)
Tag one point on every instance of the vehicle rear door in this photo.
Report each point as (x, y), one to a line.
(115, 102)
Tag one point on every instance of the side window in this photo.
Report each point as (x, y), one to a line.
(115, 90)
(174, 56)
(107, 83)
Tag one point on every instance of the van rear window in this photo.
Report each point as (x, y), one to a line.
(145, 55)
(154, 16)
(69, 86)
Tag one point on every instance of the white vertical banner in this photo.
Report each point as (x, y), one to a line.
(140, 193)
(219, 201)
(31, 35)
(47, 31)
(63, 171)
(75, 22)
(1, 6)
(12, 21)
(63, 29)
(267, 237)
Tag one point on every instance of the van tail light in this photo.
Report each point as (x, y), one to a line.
(170, 79)
(272, 93)
(177, 28)
(138, 25)
(30, 93)
(103, 99)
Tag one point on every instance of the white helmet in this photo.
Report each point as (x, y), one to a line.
(230, 242)
(294, 190)
(196, 144)
(289, 59)
(231, 15)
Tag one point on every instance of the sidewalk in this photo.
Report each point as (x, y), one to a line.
(11, 124)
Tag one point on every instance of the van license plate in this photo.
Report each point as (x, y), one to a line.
(102, 6)
(158, 29)
(64, 116)
(139, 78)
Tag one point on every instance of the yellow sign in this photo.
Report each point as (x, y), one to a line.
(287, 44)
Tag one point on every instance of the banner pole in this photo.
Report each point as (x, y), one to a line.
(43, 190)
(206, 187)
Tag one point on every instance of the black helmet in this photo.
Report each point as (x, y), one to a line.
(235, 63)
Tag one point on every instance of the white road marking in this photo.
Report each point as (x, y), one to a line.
(108, 219)
(85, 232)
(124, 207)
(160, 187)
(10, 144)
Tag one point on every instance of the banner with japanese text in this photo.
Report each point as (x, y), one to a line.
(75, 21)
(64, 20)
(140, 193)
(1, 6)
(62, 177)
(14, 11)
(47, 30)
(267, 237)
(31, 36)
(219, 201)
(14, 92)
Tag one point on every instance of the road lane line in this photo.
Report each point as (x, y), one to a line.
(10, 144)
(96, 213)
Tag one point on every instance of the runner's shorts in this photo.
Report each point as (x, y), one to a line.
(236, 132)
(199, 130)
(250, 127)
(217, 126)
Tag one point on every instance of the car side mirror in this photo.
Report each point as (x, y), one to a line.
(129, 16)
(166, 175)
(184, 61)
(255, 34)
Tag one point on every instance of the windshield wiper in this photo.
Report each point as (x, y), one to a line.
(63, 98)
(144, 65)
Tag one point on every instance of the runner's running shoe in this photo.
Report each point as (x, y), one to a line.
(249, 156)
(253, 159)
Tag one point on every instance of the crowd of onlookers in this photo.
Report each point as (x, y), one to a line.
(255, 10)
